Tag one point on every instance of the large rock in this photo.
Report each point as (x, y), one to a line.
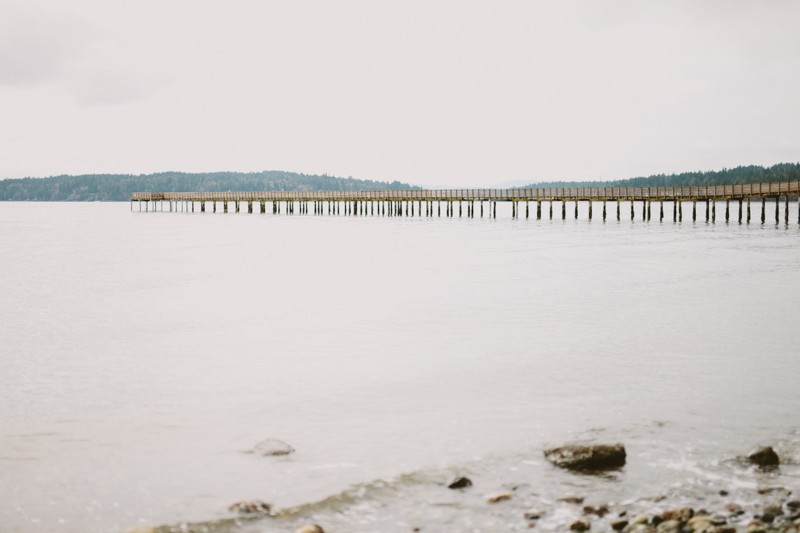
(272, 447)
(587, 458)
(764, 456)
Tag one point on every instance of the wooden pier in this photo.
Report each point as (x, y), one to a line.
(483, 202)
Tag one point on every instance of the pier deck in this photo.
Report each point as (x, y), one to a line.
(402, 202)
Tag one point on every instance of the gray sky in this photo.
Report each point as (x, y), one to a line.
(430, 92)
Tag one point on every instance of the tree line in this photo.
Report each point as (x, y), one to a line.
(118, 187)
(726, 176)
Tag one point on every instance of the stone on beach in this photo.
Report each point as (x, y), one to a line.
(580, 525)
(764, 456)
(250, 507)
(587, 458)
(500, 497)
(460, 483)
(272, 447)
(313, 528)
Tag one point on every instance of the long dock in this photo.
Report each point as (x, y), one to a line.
(470, 202)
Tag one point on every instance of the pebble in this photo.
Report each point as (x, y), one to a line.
(460, 483)
(313, 528)
(600, 511)
(499, 497)
(681, 514)
(619, 525)
(272, 447)
(669, 526)
(250, 507)
(580, 525)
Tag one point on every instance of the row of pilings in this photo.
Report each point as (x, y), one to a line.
(472, 208)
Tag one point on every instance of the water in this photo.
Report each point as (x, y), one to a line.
(142, 354)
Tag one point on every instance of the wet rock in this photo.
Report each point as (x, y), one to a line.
(681, 514)
(701, 524)
(775, 491)
(499, 497)
(756, 527)
(734, 509)
(641, 519)
(718, 520)
(533, 515)
(655, 520)
(774, 509)
(669, 526)
(575, 500)
(723, 493)
(250, 507)
(767, 518)
(587, 458)
(793, 505)
(764, 456)
(272, 447)
(600, 511)
(460, 483)
(580, 525)
(619, 525)
(313, 528)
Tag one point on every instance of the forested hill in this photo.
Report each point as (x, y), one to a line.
(112, 187)
(726, 176)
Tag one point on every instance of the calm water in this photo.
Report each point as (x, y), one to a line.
(143, 353)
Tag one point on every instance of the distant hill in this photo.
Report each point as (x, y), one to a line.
(726, 176)
(118, 187)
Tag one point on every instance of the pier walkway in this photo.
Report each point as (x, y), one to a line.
(424, 202)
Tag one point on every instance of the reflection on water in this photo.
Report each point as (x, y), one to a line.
(143, 353)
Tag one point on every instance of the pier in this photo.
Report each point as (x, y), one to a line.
(471, 203)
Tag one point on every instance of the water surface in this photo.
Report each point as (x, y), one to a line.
(143, 353)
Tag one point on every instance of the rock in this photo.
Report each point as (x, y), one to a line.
(575, 500)
(734, 508)
(764, 456)
(313, 528)
(699, 523)
(774, 509)
(756, 527)
(533, 515)
(780, 492)
(681, 514)
(766, 518)
(600, 511)
(499, 497)
(460, 483)
(619, 525)
(794, 505)
(272, 447)
(639, 520)
(580, 525)
(143, 529)
(669, 526)
(587, 458)
(250, 507)
(718, 520)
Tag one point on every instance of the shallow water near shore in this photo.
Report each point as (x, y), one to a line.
(142, 354)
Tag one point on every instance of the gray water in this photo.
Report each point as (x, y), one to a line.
(142, 354)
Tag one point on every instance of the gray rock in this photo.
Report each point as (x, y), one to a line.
(764, 456)
(587, 458)
(272, 447)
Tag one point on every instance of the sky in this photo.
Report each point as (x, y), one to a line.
(435, 93)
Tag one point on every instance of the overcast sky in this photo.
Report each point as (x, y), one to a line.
(429, 92)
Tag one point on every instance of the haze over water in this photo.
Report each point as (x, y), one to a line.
(143, 353)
